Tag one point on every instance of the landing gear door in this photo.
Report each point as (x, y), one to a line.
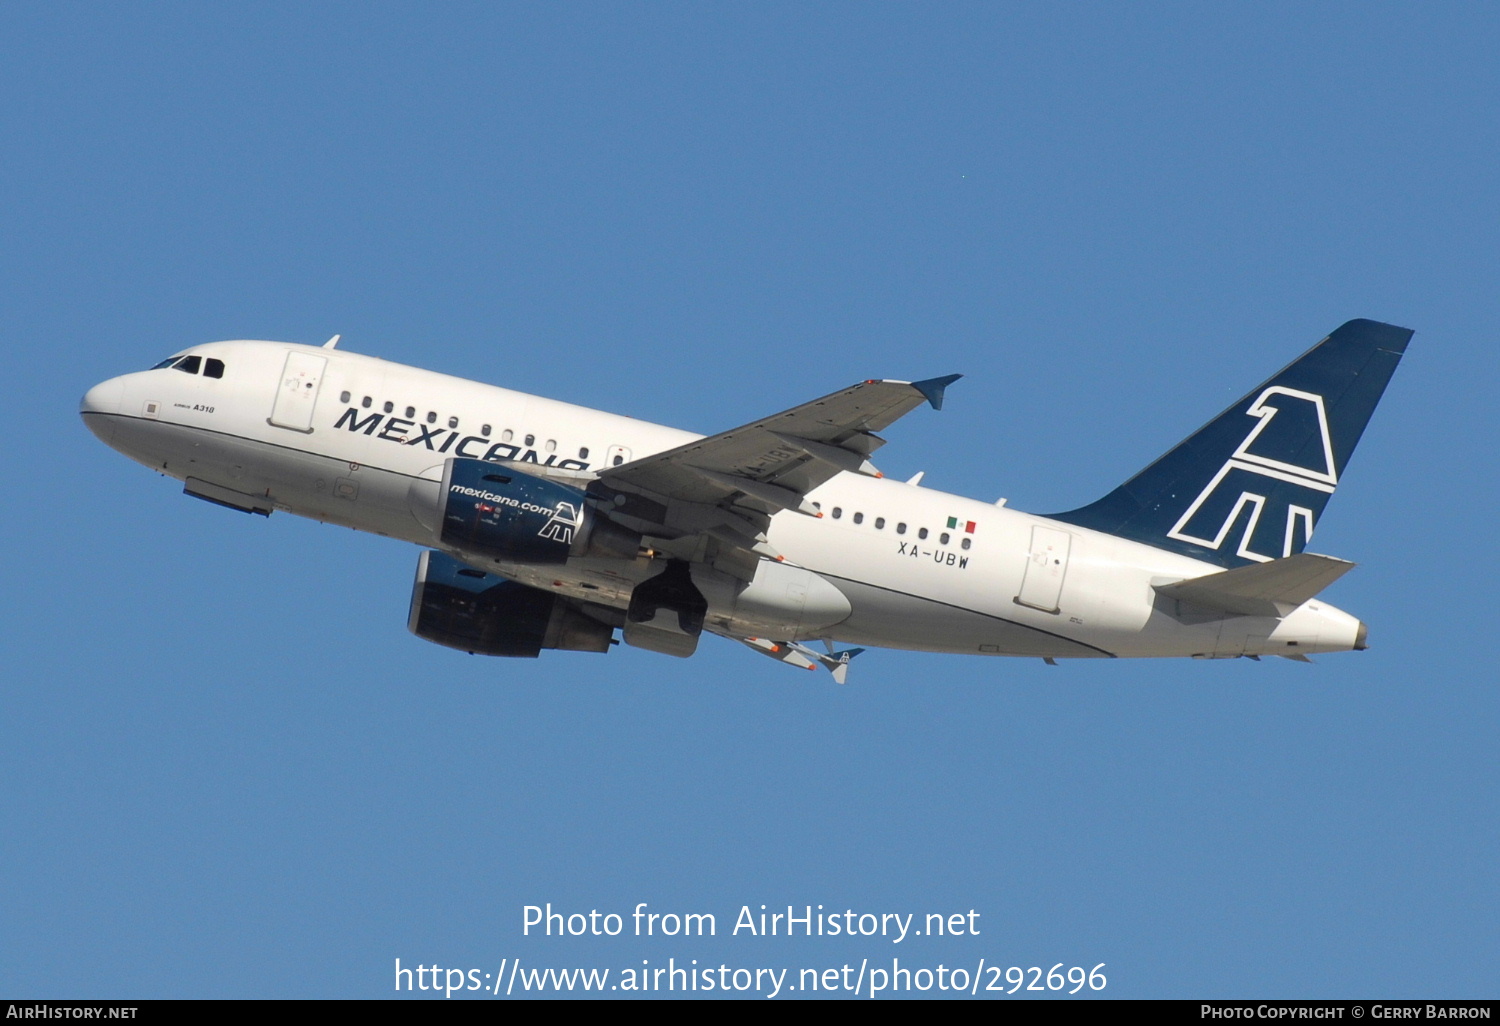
(297, 392)
(1047, 565)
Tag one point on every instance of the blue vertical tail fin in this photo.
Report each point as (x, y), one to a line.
(1250, 485)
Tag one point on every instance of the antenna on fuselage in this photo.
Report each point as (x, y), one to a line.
(333, 342)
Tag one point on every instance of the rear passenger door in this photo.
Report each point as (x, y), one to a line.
(1046, 566)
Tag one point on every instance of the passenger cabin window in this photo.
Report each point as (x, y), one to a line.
(485, 431)
(188, 364)
(583, 453)
(530, 441)
(213, 368)
(344, 397)
(900, 528)
(922, 533)
(411, 413)
(431, 417)
(453, 422)
(389, 407)
(838, 511)
(859, 518)
(880, 523)
(507, 435)
(365, 402)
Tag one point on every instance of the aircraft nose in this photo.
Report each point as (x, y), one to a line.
(97, 405)
(102, 398)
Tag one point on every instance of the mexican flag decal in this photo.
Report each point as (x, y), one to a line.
(967, 525)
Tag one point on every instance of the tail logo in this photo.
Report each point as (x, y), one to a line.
(1255, 474)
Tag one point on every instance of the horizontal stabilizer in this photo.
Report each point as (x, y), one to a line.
(837, 663)
(794, 654)
(780, 651)
(1274, 588)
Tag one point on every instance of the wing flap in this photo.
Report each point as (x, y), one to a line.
(773, 496)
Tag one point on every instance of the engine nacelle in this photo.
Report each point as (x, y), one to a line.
(458, 606)
(502, 513)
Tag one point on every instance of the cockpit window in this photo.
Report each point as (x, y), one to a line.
(191, 365)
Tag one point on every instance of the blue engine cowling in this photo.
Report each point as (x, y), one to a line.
(458, 606)
(508, 515)
(495, 511)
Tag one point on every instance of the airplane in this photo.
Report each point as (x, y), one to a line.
(549, 526)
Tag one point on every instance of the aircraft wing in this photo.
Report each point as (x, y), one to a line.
(724, 488)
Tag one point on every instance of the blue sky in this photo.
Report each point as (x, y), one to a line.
(230, 771)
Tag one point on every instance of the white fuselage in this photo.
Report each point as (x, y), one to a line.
(1001, 582)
